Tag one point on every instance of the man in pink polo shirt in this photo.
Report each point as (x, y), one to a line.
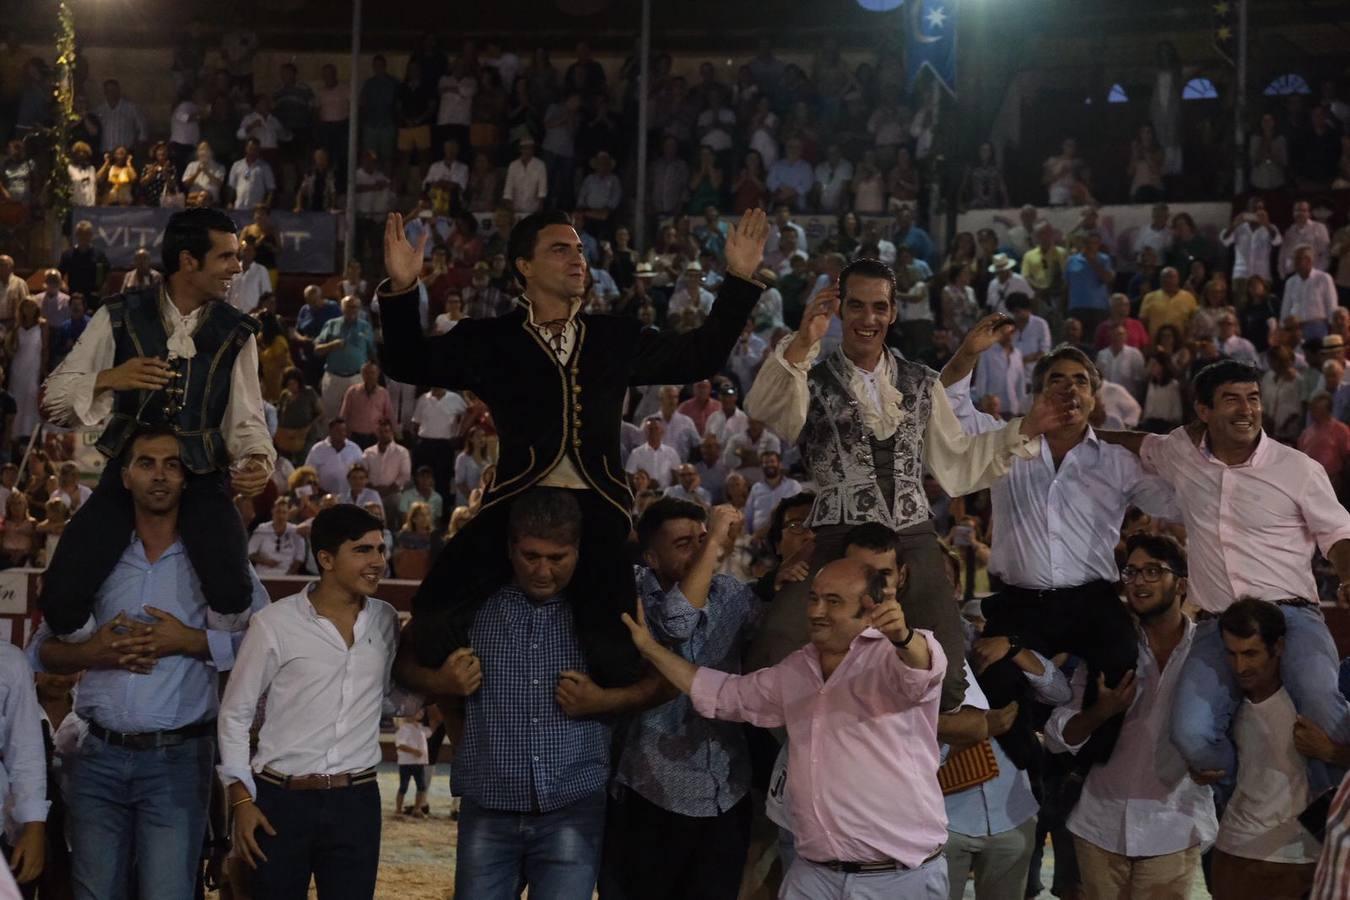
(1255, 512)
(860, 704)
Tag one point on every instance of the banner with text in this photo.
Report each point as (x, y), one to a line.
(308, 240)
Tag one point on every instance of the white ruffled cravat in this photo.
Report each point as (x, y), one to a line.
(179, 328)
(881, 411)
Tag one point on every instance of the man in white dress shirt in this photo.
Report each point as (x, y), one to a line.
(1252, 236)
(1142, 821)
(1309, 295)
(681, 433)
(526, 180)
(1122, 364)
(1056, 522)
(728, 421)
(1002, 374)
(437, 416)
(253, 280)
(306, 805)
(767, 494)
(657, 459)
(1305, 232)
(1234, 345)
(333, 457)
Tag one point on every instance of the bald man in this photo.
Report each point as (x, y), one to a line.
(860, 705)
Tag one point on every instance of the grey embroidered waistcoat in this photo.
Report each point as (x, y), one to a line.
(860, 478)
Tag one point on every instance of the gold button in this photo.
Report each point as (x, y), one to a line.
(576, 388)
(577, 407)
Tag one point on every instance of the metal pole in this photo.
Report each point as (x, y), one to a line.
(934, 195)
(644, 70)
(349, 245)
(1240, 104)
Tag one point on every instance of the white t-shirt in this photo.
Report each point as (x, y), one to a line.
(1261, 821)
(410, 734)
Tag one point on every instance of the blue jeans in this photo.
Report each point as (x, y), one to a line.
(143, 806)
(555, 854)
(1208, 695)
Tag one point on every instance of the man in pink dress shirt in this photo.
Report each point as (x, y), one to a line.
(860, 704)
(1255, 512)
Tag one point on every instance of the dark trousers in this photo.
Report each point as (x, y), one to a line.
(654, 854)
(474, 564)
(332, 136)
(93, 542)
(332, 836)
(363, 439)
(439, 453)
(1089, 621)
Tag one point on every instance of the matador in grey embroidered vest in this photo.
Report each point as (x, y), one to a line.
(859, 477)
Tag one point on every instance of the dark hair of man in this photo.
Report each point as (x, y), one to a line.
(525, 235)
(190, 230)
(1249, 617)
(1016, 301)
(1161, 547)
(1060, 353)
(870, 536)
(785, 506)
(867, 268)
(336, 525)
(550, 514)
(1215, 375)
(667, 509)
(142, 433)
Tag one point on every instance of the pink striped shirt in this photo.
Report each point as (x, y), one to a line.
(1251, 529)
(862, 771)
(1333, 869)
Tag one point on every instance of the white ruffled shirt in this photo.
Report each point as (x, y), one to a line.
(69, 398)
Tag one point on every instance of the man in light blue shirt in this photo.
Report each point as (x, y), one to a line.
(791, 178)
(251, 180)
(1090, 278)
(151, 655)
(23, 766)
(345, 344)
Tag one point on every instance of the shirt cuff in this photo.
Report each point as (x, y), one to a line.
(220, 645)
(29, 809)
(703, 693)
(800, 368)
(81, 634)
(1054, 731)
(89, 407)
(1050, 686)
(383, 289)
(229, 775)
(1153, 446)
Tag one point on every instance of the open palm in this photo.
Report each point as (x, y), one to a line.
(402, 260)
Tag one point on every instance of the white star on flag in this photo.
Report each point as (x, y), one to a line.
(936, 18)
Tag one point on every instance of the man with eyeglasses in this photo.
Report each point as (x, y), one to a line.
(1255, 512)
(277, 547)
(1056, 522)
(1142, 821)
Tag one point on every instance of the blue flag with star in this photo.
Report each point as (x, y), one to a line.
(932, 42)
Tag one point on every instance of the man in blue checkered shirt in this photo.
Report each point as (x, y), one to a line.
(534, 759)
(679, 827)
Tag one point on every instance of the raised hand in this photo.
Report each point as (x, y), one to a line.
(638, 630)
(402, 260)
(1049, 413)
(745, 243)
(985, 334)
(889, 619)
(815, 322)
(724, 523)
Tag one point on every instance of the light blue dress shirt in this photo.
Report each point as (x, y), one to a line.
(180, 690)
(23, 758)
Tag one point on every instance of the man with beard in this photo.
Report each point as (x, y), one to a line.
(554, 378)
(867, 421)
(176, 356)
(1255, 512)
(1056, 522)
(1142, 822)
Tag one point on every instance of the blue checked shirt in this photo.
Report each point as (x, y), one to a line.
(521, 753)
(674, 757)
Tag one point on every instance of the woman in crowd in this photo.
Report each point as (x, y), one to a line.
(983, 186)
(304, 493)
(847, 238)
(274, 357)
(1214, 301)
(469, 465)
(1145, 168)
(27, 347)
(1163, 409)
(117, 179)
(750, 190)
(413, 543)
(18, 539)
(160, 178)
(960, 310)
(50, 528)
(1268, 155)
(705, 184)
(902, 182)
(300, 422)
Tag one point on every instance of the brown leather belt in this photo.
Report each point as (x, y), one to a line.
(316, 782)
(857, 868)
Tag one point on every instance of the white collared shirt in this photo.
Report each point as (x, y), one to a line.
(69, 398)
(438, 417)
(1142, 801)
(324, 699)
(282, 548)
(1058, 528)
(1251, 248)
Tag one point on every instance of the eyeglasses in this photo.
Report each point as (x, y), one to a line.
(796, 527)
(1149, 573)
